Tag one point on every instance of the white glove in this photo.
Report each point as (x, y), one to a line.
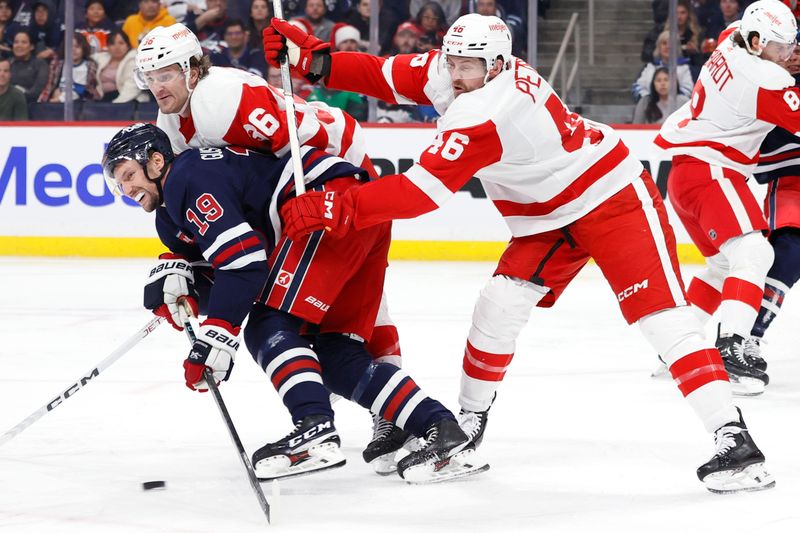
(215, 348)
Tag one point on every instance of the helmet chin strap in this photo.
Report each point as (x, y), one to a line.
(157, 180)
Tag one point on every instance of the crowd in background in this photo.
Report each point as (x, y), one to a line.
(107, 32)
(699, 24)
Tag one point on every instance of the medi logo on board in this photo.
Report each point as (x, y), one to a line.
(51, 185)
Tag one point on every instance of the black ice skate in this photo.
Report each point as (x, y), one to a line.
(738, 464)
(312, 446)
(387, 440)
(746, 379)
(473, 423)
(446, 454)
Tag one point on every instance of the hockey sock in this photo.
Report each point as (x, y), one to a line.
(289, 362)
(384, 346)
(702, 379)
(481, 375)
(750, 257)
(782, 276)
(705, 299)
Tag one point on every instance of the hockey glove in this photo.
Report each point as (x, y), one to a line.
(309, 56)
(169, 286)
(214, 348)
(314, 211)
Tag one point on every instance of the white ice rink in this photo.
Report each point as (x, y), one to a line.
(581, 439)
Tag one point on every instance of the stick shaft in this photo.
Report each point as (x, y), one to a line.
(291, 118)
(226, 417)
(82, 381)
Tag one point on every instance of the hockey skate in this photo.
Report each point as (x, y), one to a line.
(738, 464)
(746, 379)
(752, 353)
(447, 454)
(473, 423)
(387, 441)
(312, 446)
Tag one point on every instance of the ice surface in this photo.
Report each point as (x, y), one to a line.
(581, 439)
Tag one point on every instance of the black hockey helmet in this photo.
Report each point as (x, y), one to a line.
(135, 143)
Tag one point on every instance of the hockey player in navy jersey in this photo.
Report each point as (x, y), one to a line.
(220, 206)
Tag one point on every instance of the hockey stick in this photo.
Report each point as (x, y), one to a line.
(226, 417)
(291, 119)
(82, 381)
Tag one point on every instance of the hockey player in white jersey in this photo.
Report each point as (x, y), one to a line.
(569, 191)
(741, 94)
(205, 106)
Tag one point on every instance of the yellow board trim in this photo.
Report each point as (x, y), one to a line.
(150, 247)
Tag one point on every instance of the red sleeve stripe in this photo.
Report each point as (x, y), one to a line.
(409, 81)
(594, 173)
(731, 153)
(783, 156)
(347, 136)
(225, 237)
(429, 184)
(235, 248)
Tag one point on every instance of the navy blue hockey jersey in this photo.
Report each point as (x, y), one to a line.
(779, 155)
(221, 205)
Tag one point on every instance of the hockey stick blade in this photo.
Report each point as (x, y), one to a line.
(82, 381)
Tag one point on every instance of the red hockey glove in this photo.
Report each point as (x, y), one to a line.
(314, 211)
(169, 286)
(215, 348)
(281, 38)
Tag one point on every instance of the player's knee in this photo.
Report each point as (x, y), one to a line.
(343, 361)
(749, 255)
(786, 267)
(502, 310)
(715, 272)
(267, 328)
(673, 333)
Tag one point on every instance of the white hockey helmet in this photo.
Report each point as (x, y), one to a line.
(772, 20)
(474, 35)
(164, 46)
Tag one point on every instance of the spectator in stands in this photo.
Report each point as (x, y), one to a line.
(209, 26)
(451, 9)
(84, 74)
(260, 14)
(178, 9)
(345, 39)
(405, 39)
(28, 72)
(688, 30)
(729, 11)
(641, 86)
(151, 14)
(652, 108)
(6, 28)
(487, 7)
(237, 53)
(514, 17)
(96, 27)
(119, 10)
(115, 71)
(23, 12)
(315, 14)
(12, 101)
(45, 29)
(431, 20)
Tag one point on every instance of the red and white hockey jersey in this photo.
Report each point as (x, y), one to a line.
(233, 107)
(543, 166)
(736, 101)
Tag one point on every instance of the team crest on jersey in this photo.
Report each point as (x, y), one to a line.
(284, 278)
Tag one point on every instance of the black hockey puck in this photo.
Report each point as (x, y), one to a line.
(151, 485)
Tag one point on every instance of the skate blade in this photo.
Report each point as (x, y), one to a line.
(321, 457)
(386, 465)
(461, 465)
(751, 478)
(746, 386)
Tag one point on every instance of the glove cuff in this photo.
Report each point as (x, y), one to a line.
(221, 324)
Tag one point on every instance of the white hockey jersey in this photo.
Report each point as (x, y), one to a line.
(736, 101)
(542, 166)
(234, 107)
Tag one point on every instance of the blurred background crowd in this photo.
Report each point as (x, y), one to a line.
(32, 44)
